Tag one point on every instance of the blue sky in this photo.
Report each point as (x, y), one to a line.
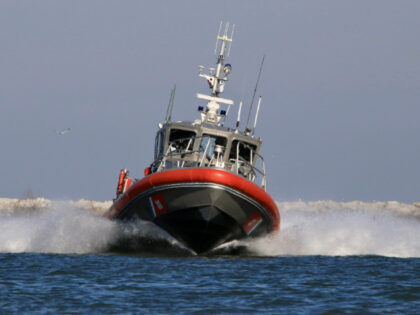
(340, 86)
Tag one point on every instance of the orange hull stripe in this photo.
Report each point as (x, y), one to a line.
(194, 175)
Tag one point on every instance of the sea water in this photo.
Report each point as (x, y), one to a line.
(329, 257)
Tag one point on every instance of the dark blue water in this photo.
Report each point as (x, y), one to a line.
(329, 258)
(62, 283)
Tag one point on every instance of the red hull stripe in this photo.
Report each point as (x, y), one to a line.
(201, 175)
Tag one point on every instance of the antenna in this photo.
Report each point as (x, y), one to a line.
(239, 116)
(217, 78)
(230, 43)
(255, 91)
(256, 115)
(170, 105)
(226, 114)
(224, 36)
(217, 38)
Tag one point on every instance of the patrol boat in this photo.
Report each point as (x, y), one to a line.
(207, 183)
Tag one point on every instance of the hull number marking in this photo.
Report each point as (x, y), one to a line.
(157, 205)
(253, 222)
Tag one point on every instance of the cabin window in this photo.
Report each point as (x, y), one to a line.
(215, 145)
(159, 144)
(181, 140)
(246, 150)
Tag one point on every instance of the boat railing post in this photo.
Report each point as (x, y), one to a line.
(237, 158)
(163, 161)
(186, 151)
(205, 153)
(264, 180)
(196, 157)
(251, 174)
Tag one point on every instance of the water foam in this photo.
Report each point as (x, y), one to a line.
(45, 226)
(307, 228)
(344, 228)
(40, 225)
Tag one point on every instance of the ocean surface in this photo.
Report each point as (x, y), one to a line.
(329, 258)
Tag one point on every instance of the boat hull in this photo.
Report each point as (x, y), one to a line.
(201, 208)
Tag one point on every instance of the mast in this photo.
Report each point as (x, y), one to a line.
(217, 78)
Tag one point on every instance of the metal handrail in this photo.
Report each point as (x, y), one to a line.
(236, 165)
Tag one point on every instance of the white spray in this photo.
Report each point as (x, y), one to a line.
(339, 229)
(45, 226)
(307, 228)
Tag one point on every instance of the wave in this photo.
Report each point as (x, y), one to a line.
(40, 225)
(344, 228)
(307, 228)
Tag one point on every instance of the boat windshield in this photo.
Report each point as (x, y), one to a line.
(246, 151)
(212, 145)
(160, 136)
(181, 140)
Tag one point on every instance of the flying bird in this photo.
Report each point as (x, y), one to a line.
(62, 132)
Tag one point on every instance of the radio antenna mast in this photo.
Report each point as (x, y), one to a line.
(256, 115)
(239, 117)
(255, 91)
(168, 116)
(217, 78)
